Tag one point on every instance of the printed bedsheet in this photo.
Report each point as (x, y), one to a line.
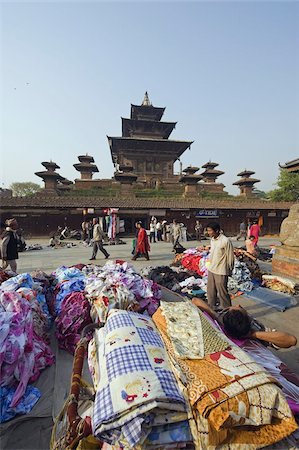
(137, 392)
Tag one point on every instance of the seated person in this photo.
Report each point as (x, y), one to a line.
(238, 324)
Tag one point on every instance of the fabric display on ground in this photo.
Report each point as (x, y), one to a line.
(73, 317)
(24, 351)
(137, 396)
(118, 285)
(240, 279)
(178, 280)
(234, 400)
(280, 284)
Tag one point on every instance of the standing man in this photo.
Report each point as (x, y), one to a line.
(221, 266)
(176, 233)
(159, 231)
(98, 236)
(198, 230)
(9, 245)
(152, 228)
(142, 246)
(242, 231)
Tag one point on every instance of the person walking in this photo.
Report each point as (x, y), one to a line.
(176, 233)
(9, 245)
(242, 231)
(221, 264)
(255, 232)
(152, 231)
(98, 236)
(142, 245)
(198, 230)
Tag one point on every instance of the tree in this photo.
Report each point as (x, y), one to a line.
(288, 187)
(24, 189)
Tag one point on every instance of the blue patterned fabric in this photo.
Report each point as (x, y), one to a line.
(136, 382)
(127, 359)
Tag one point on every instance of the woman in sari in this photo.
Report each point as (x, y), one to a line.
(142, 246)
(255, 232)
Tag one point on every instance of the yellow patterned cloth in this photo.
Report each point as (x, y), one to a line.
(190, 331)
(234, 401)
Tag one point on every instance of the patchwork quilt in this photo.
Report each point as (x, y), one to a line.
(136, 389)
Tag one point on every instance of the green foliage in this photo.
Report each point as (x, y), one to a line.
(24, 189)
(288, 187)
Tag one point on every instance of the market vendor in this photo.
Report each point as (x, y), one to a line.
(221, 264)
(238, 324)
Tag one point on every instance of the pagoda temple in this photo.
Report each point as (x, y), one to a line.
(50, 177)
(86, 167)
(246, 183)
(209, 176)
(145, 145)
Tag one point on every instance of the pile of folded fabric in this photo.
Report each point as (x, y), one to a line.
(138, 403)
(24, 350)
(67, 280)
(280, 284)
(240, 279)
(234, 401)
(118, 285)
(195, 260)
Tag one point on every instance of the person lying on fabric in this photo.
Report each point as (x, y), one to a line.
(238, 324)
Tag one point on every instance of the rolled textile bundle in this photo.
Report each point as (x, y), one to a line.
(137, 395)
(234, 401)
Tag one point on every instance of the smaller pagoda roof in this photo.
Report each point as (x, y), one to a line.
(210, 165)
(212, 172)
(50, 165)
(244, 181)
(49, 174)
(246, 173)
(86, 158)
(190, 170)
(85, 167)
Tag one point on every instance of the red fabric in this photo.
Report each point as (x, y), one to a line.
(142, 242)
(255, 231)
(191, 262)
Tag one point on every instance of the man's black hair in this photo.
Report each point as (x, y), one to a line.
(214, 225)
(236, 323)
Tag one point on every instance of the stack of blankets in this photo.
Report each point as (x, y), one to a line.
(24, 343)
(176, 381)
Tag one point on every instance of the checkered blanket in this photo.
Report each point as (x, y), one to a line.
(137, 388)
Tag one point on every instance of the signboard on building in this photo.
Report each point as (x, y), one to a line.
(207, 213)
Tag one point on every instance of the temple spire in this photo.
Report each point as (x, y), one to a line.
(146, 100)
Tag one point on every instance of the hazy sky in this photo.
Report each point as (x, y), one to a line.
(227, 72)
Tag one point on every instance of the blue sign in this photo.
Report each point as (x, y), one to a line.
(207, 213)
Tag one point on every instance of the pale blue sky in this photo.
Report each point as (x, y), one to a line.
(227, 72)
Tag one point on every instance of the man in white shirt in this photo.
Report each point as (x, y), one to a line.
(221, 266)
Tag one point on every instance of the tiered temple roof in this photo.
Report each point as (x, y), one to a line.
(49, 176)
(246, 182)
(86, 167)
(144, 144)
(210, 174)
